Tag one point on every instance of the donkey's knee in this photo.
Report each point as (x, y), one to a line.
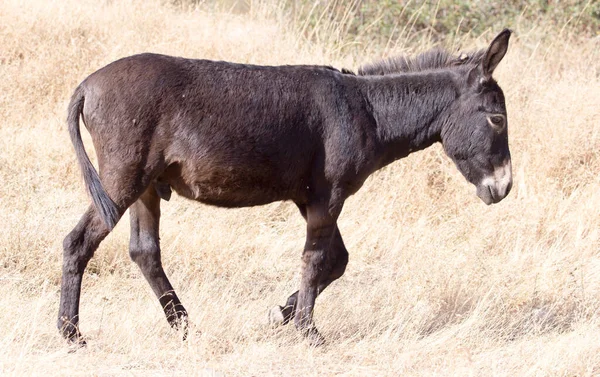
(146, 254)
(75, 254)
(340, 264)
(144, 244)
(81, 243)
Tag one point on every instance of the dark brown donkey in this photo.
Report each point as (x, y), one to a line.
(235, 135)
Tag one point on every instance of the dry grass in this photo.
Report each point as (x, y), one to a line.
(438, 283)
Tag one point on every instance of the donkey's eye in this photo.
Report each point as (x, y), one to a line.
(497, 121)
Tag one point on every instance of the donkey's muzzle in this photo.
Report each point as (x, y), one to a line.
(496, 186)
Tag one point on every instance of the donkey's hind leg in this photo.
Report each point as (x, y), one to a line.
(144, 249)
(79, 247)
(124, 188)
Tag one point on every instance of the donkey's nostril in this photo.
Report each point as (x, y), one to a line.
(492, 193)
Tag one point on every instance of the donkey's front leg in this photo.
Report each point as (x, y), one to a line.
(316, 265)
(282, 315)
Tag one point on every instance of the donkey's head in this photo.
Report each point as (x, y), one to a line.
(475, 134)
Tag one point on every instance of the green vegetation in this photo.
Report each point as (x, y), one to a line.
(381, 21)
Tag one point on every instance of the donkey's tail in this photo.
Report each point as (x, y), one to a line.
(104, 204)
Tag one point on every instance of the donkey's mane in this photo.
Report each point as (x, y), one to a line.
(436, 58)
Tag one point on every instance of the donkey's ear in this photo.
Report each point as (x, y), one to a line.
(495, 53)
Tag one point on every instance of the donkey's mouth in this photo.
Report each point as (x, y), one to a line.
(484, 192)
(495, 186)
(493, 193)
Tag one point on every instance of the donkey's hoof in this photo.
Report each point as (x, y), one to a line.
(276, 316)
(183, 328)
(181, 325)
(76, 344)
(178, 319)
(70, 331)
(314, 338)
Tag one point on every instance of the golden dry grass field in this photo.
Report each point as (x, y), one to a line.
(438, 283)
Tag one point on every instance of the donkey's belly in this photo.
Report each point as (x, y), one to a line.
(227, 195)
(230, 187)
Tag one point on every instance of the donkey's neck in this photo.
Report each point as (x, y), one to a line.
(408, 108)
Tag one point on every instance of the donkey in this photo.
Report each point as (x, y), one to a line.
(235, 135)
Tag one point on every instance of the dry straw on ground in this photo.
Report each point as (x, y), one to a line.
(438, 283)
